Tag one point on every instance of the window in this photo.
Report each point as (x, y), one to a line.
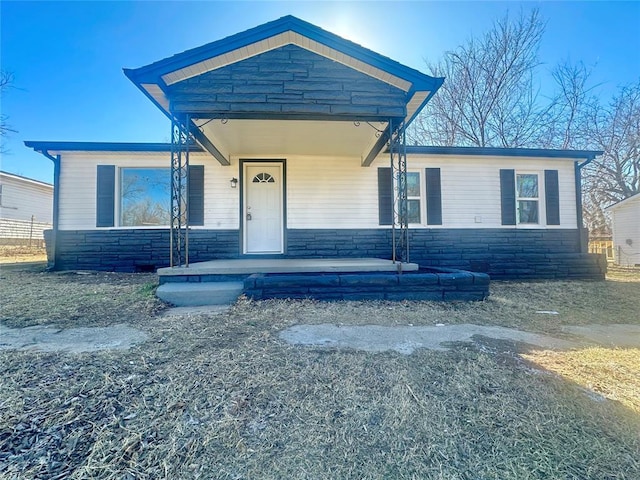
(413, 198)
(414, 190)
(263, 178)
(527, 198)
(417, 200)
(145, 197)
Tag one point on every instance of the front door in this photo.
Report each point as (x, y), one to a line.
(263, 208)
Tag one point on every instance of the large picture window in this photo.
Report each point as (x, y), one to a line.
(145, 197)
(527, 198)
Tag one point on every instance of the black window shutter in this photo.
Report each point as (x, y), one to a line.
(508, 196)
(434, 196)
(385, 196)
(105, 195)
(196, 195)
(552, 197)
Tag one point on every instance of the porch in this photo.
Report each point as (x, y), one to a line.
(247, 266)
(223, 281)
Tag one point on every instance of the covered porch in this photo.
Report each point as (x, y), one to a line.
(281, 90)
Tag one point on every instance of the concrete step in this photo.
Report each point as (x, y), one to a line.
(193, 294)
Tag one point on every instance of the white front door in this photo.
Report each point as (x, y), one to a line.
(263, 208)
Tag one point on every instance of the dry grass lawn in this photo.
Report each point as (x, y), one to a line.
(611, 372)
(21, 253)
(220, 396)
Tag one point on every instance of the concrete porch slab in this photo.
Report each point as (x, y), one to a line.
(248, 266)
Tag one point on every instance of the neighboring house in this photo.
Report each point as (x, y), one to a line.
(625, 223)
(26, 209)
(295, 132)
(602, 245)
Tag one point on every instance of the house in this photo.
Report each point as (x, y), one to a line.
(288, 142)
(26, 209)
(625, 220)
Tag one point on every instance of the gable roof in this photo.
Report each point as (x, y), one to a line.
(624, 202)
(283, 31)
(21, 178)
(157, 79)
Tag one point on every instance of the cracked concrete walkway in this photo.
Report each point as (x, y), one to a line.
(48, 338)
(406, 339)
(370, 338)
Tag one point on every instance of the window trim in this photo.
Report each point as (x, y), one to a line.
(539, 199)
(421, 199)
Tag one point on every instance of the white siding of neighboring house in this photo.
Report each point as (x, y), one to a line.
(326, 192)
(626, 229)
(23, 199)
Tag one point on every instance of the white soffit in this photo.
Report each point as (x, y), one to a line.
(292, 137)
(277, 41)
(415, 102)
(156, 92)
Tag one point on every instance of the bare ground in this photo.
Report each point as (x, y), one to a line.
(221, 396)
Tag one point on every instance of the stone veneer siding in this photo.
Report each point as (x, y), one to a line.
(131, 250)
(502, 253)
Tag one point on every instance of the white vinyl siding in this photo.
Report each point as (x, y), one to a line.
(471, 188)
(23, 199)
(328, 192)
(331, 193)
(626, 232)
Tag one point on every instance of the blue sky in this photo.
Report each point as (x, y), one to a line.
(67, 57)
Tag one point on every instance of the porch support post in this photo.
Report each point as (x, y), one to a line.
(400, 221)
(179, 235)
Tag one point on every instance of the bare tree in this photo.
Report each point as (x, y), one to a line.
(614, 176)
(6, 82)
(489, 97)
(573, 98)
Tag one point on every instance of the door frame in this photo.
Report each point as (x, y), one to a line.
(244, 163)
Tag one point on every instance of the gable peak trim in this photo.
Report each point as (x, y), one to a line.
(279, 40)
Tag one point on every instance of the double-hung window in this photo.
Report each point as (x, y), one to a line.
(527, 198)
(424, 202)
(414, 189)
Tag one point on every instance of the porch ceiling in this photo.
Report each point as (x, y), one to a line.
(291, 137)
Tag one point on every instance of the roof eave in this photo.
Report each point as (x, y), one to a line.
(57, 146)
(624, 201)
(588, 155)
(153, 72)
